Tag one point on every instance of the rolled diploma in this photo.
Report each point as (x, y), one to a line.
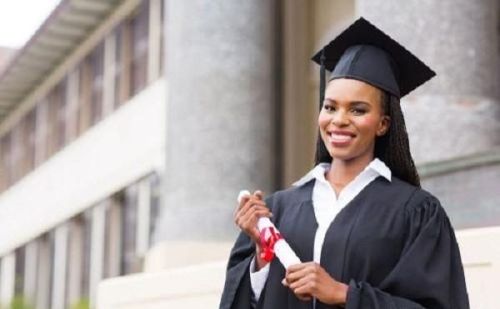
(282, 249)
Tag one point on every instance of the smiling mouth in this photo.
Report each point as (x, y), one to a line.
(340, 139)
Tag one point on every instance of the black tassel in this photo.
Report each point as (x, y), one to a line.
(322, 81)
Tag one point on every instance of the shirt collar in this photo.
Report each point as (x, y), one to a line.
(318, 172)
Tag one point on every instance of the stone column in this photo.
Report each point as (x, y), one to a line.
(456, 113)
(220, 72)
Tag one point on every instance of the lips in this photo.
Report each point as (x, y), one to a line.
(340, 138)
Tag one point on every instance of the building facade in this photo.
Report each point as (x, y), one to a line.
(127, 128)
(82, 149)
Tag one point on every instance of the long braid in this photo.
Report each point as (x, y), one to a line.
(394, 147)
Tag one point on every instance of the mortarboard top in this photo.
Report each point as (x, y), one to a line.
(365, 53)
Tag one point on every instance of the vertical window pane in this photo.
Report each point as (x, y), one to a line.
(76, 261)
(84, 111)
(140, 33)
(61, 113)
(16, 152)
(5, 153)
(87, 238)
(113, 234)
(155, 205)
(130, 264)
(97, 68)
(56, 121)
(52, 135)
(162, 39)
(19, 283)
(44, 276)
(20, 143)
(122, 63)
(71, 114)
(30, 140)
(41, 132)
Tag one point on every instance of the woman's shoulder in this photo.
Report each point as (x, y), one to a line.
(418, 198)
(292, 194)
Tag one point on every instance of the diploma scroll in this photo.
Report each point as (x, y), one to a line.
(272, 241)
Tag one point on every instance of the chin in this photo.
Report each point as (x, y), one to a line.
(341, 155)
(348, 153)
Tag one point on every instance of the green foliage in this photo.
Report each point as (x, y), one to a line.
(81, 304)
(20, 302)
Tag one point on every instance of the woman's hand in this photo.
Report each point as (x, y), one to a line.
(309, 280)
(250, 209)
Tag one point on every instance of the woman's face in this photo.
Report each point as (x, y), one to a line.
(351, 119)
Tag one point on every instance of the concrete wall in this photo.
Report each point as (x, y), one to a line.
(481, 258)
(197, 286)
(200, 286)
(469, 192)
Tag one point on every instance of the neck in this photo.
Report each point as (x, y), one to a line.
(344, 171)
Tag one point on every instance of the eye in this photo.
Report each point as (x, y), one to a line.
(358, 111)
(329, 107)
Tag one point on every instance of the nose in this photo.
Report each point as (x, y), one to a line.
(340, 119)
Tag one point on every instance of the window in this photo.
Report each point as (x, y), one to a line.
(19, 281)
(6, 168)
(87, 243)
(130, 263)
(17, 151)
(29, 137)
(96, 60)
(44, 271)
(16, 158)
(56, 118)
(162, 39)
(112, 238)
(85, 91)
(122, 63)
(156, 191)
(71, 98)
(78, 260)
(41, 133)
(140, 44)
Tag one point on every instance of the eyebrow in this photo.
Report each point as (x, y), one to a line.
(359, 103)
(350, 103)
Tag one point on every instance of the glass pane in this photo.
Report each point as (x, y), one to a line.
(140, 32)
(97, 80)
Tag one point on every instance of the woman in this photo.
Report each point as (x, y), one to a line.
(369, 236)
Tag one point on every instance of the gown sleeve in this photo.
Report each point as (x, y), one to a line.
(237, 293)
(429, 273)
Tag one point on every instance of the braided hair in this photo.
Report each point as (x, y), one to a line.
(393, 148)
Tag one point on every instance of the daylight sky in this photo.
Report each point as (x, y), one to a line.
(19, 19)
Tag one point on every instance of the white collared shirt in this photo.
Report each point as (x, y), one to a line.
(326, 207)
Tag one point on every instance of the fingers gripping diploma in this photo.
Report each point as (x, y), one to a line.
(308, 280)
(267, 236)
(251, 207)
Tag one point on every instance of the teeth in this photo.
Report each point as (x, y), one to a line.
(340, 137)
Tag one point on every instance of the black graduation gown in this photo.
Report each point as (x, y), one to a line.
(392, 244)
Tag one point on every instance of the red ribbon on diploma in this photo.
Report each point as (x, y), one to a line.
(267, 253)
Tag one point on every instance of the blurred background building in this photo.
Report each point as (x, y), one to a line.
(127, 128)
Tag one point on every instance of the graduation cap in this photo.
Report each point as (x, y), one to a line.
(363, 52)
